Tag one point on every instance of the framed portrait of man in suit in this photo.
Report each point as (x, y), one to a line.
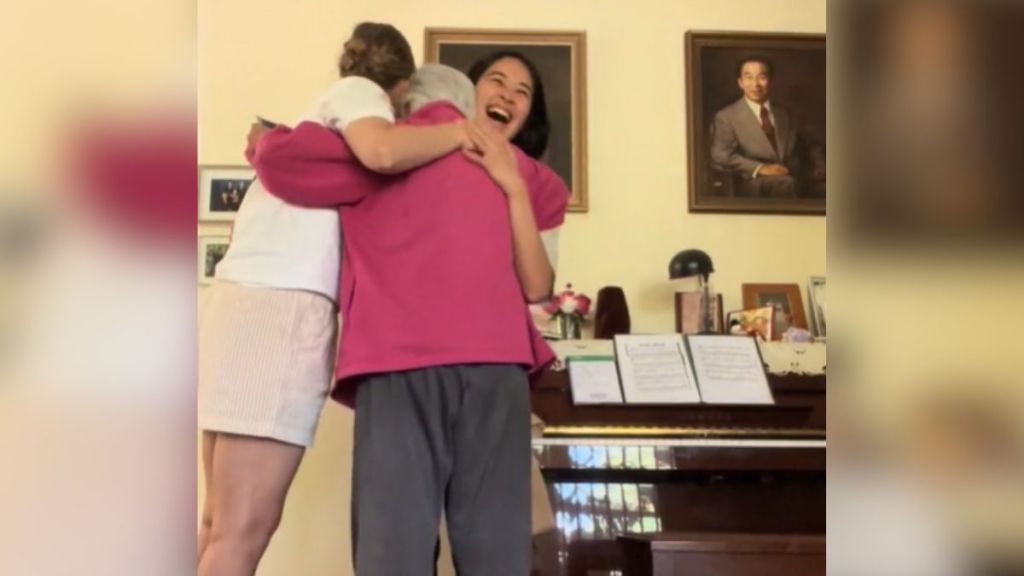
(756, 122)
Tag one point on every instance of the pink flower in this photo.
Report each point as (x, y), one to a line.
(582, 305)
(554, 306)
(568, 302)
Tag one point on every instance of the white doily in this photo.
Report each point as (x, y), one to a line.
(794, 357)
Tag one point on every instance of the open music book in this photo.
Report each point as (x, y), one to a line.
(673, 369)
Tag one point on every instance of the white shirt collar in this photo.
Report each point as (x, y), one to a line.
(756, 108)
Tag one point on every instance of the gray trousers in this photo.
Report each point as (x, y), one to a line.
(456, 437)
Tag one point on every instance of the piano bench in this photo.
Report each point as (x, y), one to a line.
(722, 554)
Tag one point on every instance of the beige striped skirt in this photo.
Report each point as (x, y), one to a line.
(266, 361)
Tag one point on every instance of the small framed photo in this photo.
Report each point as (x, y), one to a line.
(221, 191)
(784, 298)
(212, 249)
(756, 322)
(689, 307)
(816, 297)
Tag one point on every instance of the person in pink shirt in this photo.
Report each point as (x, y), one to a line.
(437, 267)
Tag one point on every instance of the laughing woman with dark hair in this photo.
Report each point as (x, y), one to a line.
(510, 95)
(494, 73)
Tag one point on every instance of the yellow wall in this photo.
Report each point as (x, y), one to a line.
(272, 58)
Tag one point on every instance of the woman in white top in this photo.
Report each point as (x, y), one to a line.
(268, 330)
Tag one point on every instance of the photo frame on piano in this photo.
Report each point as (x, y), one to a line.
(816, 298)
(784, 298)
(757, 322)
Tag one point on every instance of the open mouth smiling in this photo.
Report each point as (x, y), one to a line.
(498, 114)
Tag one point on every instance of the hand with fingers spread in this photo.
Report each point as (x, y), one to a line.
(491, 150)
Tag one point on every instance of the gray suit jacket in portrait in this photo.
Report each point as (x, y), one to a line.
(739, 144)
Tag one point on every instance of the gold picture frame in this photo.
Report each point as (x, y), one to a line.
(797, 96)
(784, 298)
(561, 60)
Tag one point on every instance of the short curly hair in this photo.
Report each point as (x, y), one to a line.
(377, 52)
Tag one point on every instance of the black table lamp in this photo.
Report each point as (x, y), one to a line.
(695, 263)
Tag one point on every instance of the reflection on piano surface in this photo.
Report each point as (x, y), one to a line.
(612, 470)
(600, 511)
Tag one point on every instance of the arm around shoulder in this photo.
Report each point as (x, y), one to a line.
(310, 166)
(387, 148)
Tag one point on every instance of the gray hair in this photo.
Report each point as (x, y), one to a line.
(435, 82)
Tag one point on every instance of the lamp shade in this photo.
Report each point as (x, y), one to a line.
(690, 263)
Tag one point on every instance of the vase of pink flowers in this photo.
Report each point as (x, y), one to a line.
(569, 309)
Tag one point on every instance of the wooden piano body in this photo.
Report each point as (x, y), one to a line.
(613, 470)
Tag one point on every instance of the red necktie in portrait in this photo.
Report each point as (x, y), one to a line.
(768, 127)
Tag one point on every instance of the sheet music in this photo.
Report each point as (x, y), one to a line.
(729, 370)
(594, 380)
(655, 369)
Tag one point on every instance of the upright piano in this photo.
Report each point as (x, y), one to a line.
(613, 470)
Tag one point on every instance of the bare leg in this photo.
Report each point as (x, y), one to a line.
(209, 441)
(251, 477)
